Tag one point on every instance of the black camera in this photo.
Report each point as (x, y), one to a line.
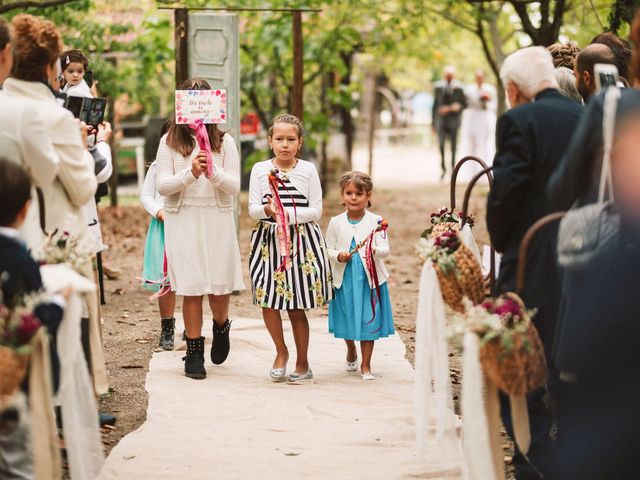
(89, 110)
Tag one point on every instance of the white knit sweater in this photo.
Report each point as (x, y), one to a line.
(178, 186)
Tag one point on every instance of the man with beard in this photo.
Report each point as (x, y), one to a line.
(586, 60)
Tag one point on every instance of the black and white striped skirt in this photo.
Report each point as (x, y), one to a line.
(307, 284)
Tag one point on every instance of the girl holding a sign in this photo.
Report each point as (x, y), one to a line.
(202, 251)
(288, 262)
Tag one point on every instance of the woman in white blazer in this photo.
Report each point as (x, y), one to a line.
(20, 124)
(361, 309)
(74, 185)
(36, 47)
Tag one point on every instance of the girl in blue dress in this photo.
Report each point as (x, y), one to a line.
(361, 309)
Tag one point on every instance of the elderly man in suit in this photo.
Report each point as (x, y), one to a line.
(531, 138)
(449, 100)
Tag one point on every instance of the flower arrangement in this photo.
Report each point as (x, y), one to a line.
(18, 325)
(501, 318)
(445, 219)
(64, 248)
(511, 353)
(458, 271)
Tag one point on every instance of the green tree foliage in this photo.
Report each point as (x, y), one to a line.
(129, 53)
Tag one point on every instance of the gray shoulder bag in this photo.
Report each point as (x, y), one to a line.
(586, 231)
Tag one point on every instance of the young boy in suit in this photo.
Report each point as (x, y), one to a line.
(20, 275)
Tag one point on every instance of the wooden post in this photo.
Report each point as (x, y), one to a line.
(181, 17)
(113, 179)
(297, 107)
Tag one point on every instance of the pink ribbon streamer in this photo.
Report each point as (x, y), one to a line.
(202, 137)
(370, 265)
(164, 281)
(282, 222)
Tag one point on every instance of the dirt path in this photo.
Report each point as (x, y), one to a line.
(132, 326)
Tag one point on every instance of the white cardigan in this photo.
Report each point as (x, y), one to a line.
(304, 178)
(24, 140)
(338, 239)
(174, 177)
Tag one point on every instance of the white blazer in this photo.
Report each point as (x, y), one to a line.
(24, 140)
(75, 182)
(338, 239)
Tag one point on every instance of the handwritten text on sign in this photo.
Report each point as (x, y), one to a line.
(208, 105)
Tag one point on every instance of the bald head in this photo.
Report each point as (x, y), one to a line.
(592, 54)
(587, 58)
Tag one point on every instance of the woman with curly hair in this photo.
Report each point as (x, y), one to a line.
(564, 54)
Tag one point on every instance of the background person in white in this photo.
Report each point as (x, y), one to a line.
(478, 128)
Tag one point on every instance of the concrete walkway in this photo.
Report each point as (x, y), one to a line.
(238, 424)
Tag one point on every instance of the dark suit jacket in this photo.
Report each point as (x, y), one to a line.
(21, 275)
(530, 141)
(448, 96)
(599, 413)
(20, 272)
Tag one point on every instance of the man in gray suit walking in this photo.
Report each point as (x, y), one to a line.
(448, 102)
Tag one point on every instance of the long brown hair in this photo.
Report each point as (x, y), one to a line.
(180, 137)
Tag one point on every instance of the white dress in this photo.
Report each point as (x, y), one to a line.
(478, 128)
(201, 244)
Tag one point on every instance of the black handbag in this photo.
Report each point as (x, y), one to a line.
(587, 231)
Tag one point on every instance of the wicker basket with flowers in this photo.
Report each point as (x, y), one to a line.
(458, 271)
(511, 352)
(445, 219)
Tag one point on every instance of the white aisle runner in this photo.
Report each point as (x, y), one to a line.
(238, 424)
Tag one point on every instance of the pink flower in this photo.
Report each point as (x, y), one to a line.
(27, 328)
(508, 307)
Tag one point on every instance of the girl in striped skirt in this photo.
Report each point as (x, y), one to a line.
(307, 282)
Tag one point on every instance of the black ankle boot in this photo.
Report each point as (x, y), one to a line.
(167, 334)
(220, 346)
(194, 360)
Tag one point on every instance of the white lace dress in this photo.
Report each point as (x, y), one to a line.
(201, 245)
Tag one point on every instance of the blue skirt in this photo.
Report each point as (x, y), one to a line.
(153, 267)
(350, 311)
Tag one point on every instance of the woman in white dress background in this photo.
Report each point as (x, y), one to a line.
(203, 257)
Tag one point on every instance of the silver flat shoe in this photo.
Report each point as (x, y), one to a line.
(351, 366)
(278, 374)
(294, 377)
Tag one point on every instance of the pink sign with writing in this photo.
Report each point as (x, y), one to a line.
(210, 106)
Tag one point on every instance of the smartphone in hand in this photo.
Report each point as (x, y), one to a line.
(605, 76)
